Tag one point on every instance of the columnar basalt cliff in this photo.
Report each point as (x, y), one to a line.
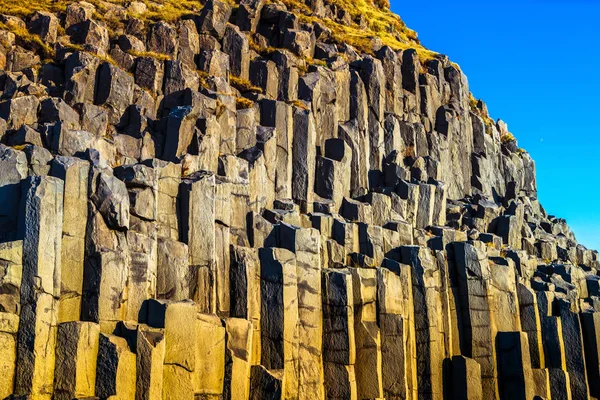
(270, 200)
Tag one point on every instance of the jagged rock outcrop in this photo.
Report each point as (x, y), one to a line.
(234, 203)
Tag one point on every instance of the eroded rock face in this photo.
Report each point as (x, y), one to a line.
(234, 205)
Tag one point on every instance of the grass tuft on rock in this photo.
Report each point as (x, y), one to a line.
(300, 104)
(29, 40)
(508, 137)
(478, 107)
(151, 54)
(243, 103)
(243, 85)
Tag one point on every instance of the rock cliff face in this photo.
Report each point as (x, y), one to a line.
(236, 204)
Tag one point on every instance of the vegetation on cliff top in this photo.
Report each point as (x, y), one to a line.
(366, 21)
(371, 20)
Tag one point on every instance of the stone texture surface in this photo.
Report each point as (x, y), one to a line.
(237, 205)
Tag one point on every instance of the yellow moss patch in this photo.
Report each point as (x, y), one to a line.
(203, 76)
(377, 18)
(72, 47)
(20, 8)
(409, 152)
(113, 17)
(383, 4)
(220, 109)
(474, 104)
(263, 51)
(312, 61)
(302, 69)
(243, 103)
(151, 54)
(29, 39)
(77, 47)
(294, 5)
(243, 85)
(299, 104)
(170, 10)
(361, 38)
(507, 138)
(165, 10)
(109, 60)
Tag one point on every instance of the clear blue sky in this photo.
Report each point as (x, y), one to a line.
(536, 64)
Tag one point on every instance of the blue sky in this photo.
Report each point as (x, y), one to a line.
(535, 63)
